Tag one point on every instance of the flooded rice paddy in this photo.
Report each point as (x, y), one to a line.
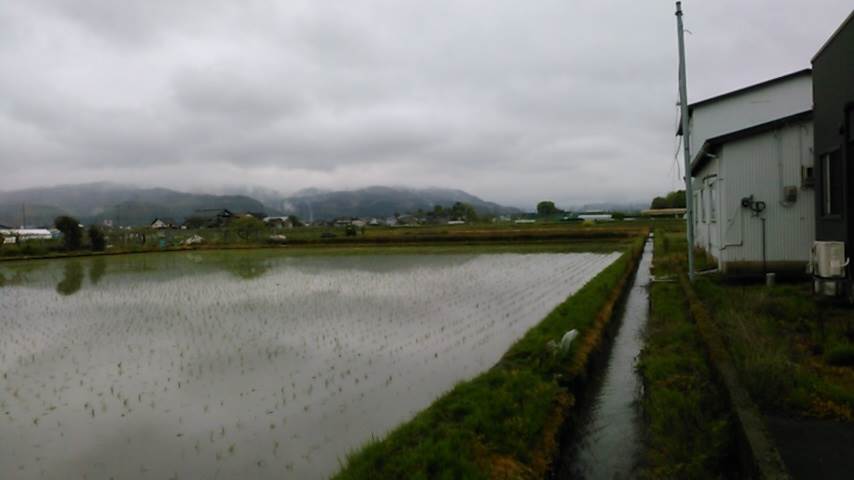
(247, 364)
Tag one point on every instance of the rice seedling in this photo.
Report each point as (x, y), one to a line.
(331, 348)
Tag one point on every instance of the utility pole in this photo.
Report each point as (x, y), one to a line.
(23, 215)
(686, 142)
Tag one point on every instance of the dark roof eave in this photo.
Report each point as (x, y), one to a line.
(700, 159)
(832, 37)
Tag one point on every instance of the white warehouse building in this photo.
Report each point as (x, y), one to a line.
(753, 176)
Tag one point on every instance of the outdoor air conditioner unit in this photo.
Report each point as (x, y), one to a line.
(828, 264)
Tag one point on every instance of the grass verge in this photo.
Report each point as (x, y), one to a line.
(689, 431)
(381, 240)
(551, 246)
(503, 423)
(794, 355)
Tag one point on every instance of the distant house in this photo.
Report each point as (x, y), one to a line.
(279, 222)
(13, 235)
(752, 170)
(407, 220)
(833, 99)
(524, 220)
(209, 218)
(162, 223)
(595, 217)
(456, 222)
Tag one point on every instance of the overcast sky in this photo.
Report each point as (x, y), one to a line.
(514, 101)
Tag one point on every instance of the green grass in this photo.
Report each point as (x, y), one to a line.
(786, 346)
(505, 421)
(688, 432)
(29, 248)
(421, 240)
(500, 413)
(792, 353)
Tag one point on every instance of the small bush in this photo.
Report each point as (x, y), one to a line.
(840, 355)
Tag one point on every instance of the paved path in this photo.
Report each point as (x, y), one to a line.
(814, 448)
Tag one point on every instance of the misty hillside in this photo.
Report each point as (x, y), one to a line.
(127, 205)
(381, 202)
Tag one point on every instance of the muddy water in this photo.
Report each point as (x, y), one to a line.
(607, 441)
(247, 364)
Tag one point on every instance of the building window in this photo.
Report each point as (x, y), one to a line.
(696, 207)
(713, 202)
(831, 182)
(702, 205)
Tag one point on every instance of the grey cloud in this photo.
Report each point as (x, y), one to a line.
(235, 95)
(513, 101)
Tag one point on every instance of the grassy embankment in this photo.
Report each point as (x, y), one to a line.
(689, 432)
(793, 354)
(503, 423)
(440, 239)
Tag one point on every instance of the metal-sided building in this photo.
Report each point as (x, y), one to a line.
(753, 176)
(833, 98)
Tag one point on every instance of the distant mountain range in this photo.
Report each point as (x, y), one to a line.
(129, 205)
(382, 202)
(123, 204)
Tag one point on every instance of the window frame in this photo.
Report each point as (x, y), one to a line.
(713, 211)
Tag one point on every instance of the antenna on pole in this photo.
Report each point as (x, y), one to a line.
(683, 102)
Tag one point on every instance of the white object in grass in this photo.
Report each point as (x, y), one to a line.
(567, 339)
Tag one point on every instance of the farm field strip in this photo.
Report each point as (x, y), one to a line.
(279, 369)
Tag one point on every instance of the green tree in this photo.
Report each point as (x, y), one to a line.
(97, 239)
(463, 211)
(295, 221)
(547, 207)
(676, 199)
(247, 227)
(659, 202)
(72, 234)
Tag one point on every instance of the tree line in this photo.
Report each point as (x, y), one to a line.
(671, 200)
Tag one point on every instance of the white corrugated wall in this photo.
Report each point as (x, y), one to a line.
(751, 166)
(706, 229)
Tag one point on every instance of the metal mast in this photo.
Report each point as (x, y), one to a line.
(683, 103)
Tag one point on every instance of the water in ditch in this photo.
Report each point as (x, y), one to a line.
(606, 441)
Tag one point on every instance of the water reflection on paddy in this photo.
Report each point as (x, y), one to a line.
(247, 363)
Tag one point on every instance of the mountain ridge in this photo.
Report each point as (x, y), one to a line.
(123, 204)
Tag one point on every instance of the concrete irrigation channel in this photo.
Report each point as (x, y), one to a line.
(606, 437)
